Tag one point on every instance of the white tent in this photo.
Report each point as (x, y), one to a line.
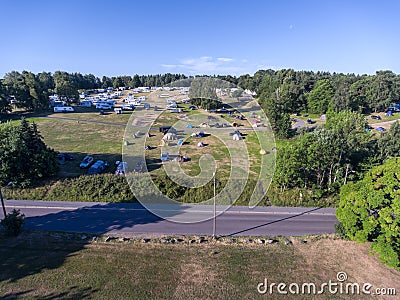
(170, 137)
(236, 137)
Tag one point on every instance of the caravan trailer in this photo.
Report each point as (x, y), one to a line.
(63, 109)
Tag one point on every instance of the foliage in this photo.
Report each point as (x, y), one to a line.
(320, 97)
(326, 158)
(85, 188)
(5, 106)
(369, 210)
(13, 222)
(24, 157)
(388, 143)
(274, 106)
(340, 230)
(27, 90)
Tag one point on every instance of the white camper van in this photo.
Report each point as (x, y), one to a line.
(63, 109)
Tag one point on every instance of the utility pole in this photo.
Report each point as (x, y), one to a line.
(215, 210)
(2, 204)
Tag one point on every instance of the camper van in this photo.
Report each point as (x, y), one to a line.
(63, 109)
(86, 103)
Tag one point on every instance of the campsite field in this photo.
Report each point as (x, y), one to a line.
(39, 265)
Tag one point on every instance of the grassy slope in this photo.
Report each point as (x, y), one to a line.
(44, 266)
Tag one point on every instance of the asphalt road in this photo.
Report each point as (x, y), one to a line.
(131, 219)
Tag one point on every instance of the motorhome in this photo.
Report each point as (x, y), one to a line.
(86, 103)
(63, 109)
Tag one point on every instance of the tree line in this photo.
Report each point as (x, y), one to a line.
(31, 91)
(280, 92)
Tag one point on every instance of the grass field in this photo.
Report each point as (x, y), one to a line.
(40, 265)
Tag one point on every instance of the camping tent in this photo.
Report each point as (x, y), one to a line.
(236, 137)
(170, 137)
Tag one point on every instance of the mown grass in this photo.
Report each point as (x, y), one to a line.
(44, 266)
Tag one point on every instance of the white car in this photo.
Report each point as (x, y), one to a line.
(103, 106)
(128, 107)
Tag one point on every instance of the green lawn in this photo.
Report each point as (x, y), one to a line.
(44, 266)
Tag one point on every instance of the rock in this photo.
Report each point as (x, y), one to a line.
(231, 240)
(260, 241)
(94, 239)
(271, 241)
(287, 242)
(165, 241)
(178, 240)
(303, 241)
(123, 239)
(144, 240)
(247, 241)
(83, 237)
(192, 241)
(107, 239)
(202, 240)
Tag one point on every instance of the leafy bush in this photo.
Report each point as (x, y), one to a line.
(369, 211)
(340, 230)
(13, 222)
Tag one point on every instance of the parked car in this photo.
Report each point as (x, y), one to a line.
(121, 168)
(86, 162)
(128, 107)
(376, 117)
(381, 129)
(97, 168)
(164, 156)
(64, 157)
(103, 106)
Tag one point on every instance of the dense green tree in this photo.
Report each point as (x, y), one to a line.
(381, 90)
(320, 97)
(16, 86)
(117, 82)
(66, 86)
(389, 143)
(5, 106)
(136, 82)
(106, 82)
(24, 157)
(369, 210)
(275, 107)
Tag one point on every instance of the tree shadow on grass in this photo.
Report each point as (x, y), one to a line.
(72, 293)
(51, 238)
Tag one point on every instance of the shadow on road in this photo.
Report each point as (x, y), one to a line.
(34, 251)
(272, 222)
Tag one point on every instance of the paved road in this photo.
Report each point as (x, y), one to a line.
(124, 218)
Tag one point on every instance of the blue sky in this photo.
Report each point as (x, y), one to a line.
(199, 37)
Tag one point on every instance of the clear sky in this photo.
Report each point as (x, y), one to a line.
(199, 37)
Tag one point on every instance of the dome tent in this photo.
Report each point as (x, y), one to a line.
(170, 137)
